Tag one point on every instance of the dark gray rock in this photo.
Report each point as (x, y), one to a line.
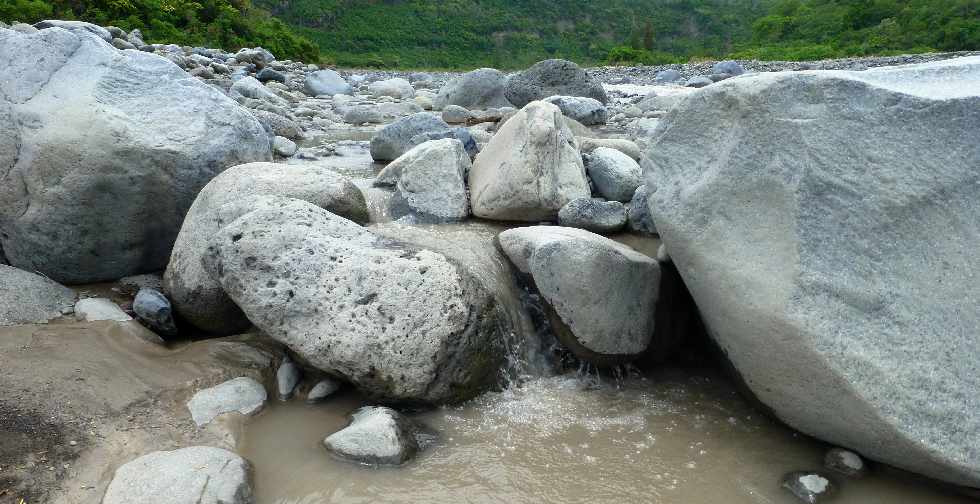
(596, 215)
(638, 214)
(119, 43)
(587, 111)
(267, 74)
(476, 90)
(97, 190)
(153, 309)
(400, 136)
(554, 77)
(376, 436)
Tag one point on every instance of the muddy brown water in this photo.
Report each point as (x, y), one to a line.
(673, 437)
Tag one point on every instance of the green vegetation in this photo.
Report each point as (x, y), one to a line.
(228, 24)
(516, 33)
(511, 34)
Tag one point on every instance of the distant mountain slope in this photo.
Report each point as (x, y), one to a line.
(516, 33)
(228, 24)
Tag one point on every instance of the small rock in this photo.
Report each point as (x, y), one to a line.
(121, 44)
(322, 390)
(244, 395)
(284, 147)
(454, 114)
(287, 378)
(845, 462)
(376, 436)
(614, 174)
(587, 111)
(267, 74)
(596, 215)
(729, 67)
(667, 76)
(430, 181)
(699, 82)
(154, 311)
(809, 487)
(638, 212)
(396, 88)
(96, 309)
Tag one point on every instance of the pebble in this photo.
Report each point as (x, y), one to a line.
(809, 487)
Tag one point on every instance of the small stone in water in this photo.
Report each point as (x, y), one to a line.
(845, 462)
(287, 378)
(323, 389)
(809, 487)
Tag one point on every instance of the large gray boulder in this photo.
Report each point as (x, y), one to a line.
(554, 77)
(833, 252)
(614, 174)
(400, 136)
(326, 83)
(376, 436)
(430, 181)
(398, 322)
(26, 298)
(479, 89)
(193, 293)
(529, 169)
(102, 152)
(601, 295)
(195, 475)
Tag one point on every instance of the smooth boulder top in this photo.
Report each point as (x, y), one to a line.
(195, 475)
(194, 294)
(400, 136)
(614, 174)
(400, 323)
(101, 156)
(833, 252)
(76, 26)
(530, 169)
(244, 395)
(430, 181)
(326, 83)
(479, 89)
(26, 298)
(376, 435)
(554, 77)
(603, 292)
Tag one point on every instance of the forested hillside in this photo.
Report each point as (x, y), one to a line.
(515, 33)
(228, 24)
